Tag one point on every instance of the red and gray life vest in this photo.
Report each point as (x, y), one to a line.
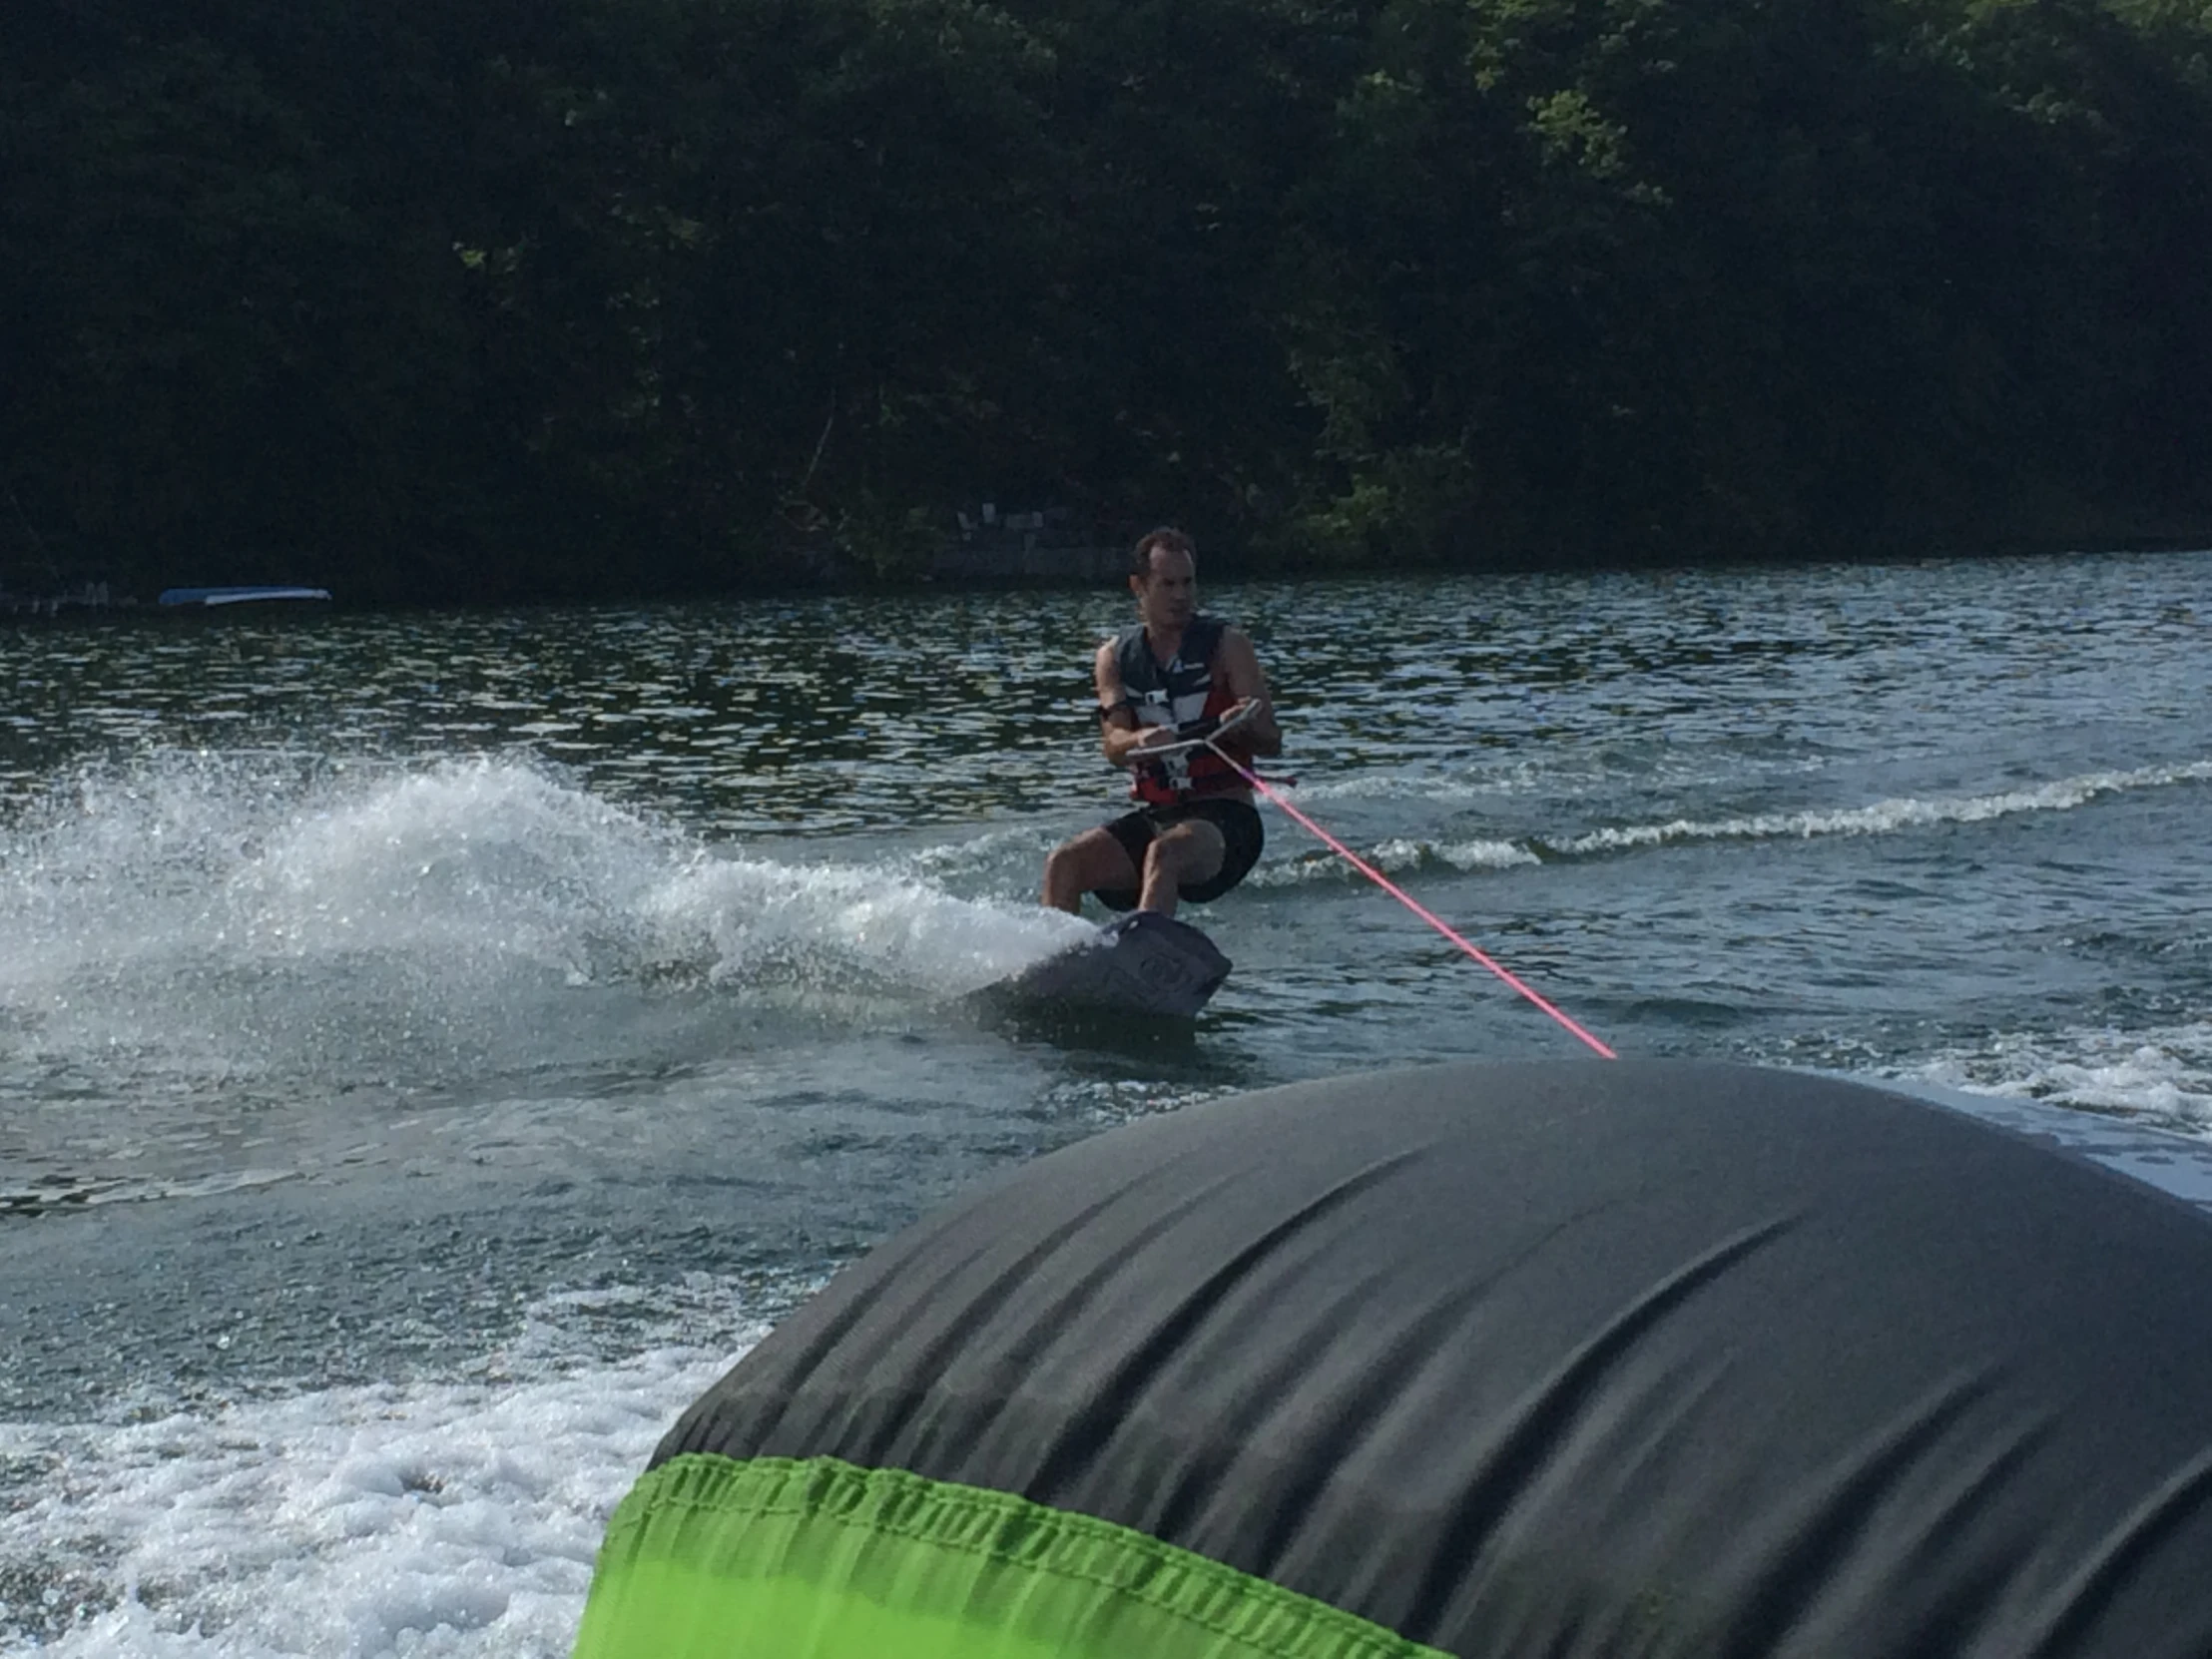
(1175, 694)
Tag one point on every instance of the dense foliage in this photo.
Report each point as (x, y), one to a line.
(474, 298)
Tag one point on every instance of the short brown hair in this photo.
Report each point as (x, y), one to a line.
(1174, 540)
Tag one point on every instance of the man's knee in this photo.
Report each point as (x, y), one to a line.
(1190, 851)
(1094, 859)
(1066, 864)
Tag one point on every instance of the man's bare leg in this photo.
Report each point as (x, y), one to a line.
(1182, 856)
(1090, 863)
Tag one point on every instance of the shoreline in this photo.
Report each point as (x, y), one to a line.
(1046, 569)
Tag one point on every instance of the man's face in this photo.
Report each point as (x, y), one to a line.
(1169, 598)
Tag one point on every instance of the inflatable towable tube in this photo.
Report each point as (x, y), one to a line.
(1566, 1359)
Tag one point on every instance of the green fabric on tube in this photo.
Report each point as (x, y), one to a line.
(818, 1559)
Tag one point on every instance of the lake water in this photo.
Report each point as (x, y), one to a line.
(432, 1045)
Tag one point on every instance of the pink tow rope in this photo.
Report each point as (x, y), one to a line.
(1387, 886)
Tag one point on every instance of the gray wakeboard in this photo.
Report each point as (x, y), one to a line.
(1144, 963)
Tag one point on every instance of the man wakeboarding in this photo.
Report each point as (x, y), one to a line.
(1173, 676)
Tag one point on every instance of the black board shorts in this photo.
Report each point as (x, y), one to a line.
(1241, 835)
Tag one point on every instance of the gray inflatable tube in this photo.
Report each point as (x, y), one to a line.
(1498, 1362)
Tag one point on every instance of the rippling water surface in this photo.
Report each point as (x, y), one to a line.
(430, 1044)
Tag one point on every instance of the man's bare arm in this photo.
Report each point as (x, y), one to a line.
(1118, 731)
(1240, 666)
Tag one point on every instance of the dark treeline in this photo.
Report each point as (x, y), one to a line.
(501, 299)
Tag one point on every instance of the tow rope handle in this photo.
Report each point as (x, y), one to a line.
(1197, 733)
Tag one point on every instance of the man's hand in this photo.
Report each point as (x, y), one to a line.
(1235, 717)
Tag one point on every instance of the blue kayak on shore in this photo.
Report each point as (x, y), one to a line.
(236, 596)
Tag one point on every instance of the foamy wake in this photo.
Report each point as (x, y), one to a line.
(1549, 775)
(1401, 857)
(1397, 856)
(452, 1519)
(2163, 1074)
(1886, 816)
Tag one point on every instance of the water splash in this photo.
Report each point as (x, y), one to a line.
(214, 918)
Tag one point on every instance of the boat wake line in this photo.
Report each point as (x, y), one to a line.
(1883, 817)
(1898, 814)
